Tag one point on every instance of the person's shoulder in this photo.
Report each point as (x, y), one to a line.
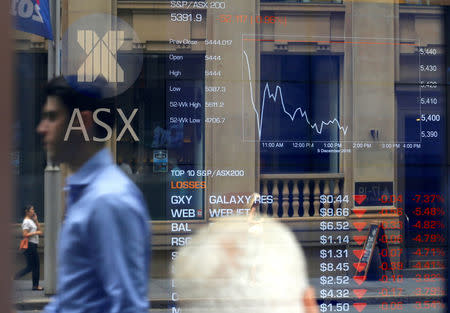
(26, 223)
(113, 180)
(114, 188)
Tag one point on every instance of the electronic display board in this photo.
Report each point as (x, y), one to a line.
(349, 132)
(335, 112)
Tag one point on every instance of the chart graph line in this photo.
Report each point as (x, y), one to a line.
(274, 96)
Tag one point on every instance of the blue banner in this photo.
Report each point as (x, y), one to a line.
(33, 16)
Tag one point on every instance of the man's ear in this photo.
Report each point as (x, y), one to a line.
(309, 301)
(88, 119)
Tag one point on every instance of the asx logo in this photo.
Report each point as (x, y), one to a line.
(101, 56)
(92, 48)
(79, 125)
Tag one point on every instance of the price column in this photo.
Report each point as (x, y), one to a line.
(334, 265)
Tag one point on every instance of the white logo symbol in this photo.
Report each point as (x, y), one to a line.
(26, 9)
(101, 56)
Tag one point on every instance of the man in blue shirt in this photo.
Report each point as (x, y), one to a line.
(104, 244)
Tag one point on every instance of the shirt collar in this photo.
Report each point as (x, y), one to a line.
(91, 168)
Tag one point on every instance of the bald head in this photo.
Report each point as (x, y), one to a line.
(237, 266)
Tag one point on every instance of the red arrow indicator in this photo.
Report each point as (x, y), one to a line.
(360, 266)
(360, 306)
(359, 292)
(359, 212)
(359, 239)
(359, 198)
(359, 279)
(359, 225)
(358, 253)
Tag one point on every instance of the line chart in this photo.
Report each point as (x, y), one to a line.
(278, 94)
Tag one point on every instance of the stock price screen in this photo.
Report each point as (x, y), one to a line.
(334, 111)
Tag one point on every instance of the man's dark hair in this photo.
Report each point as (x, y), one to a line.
(85, 98)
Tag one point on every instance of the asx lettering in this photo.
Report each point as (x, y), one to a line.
(127, 125)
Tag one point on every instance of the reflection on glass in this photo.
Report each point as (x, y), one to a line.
(333, 111)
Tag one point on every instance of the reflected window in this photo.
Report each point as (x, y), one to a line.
(169, 98)
(299, 107)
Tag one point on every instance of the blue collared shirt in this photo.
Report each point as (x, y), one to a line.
(104, 244)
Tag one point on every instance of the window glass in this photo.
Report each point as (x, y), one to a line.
(169, 98)
(334, 111)
(28, 157)
(300, 99)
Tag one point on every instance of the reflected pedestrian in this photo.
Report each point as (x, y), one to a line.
(31, 230)
(104, 244)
